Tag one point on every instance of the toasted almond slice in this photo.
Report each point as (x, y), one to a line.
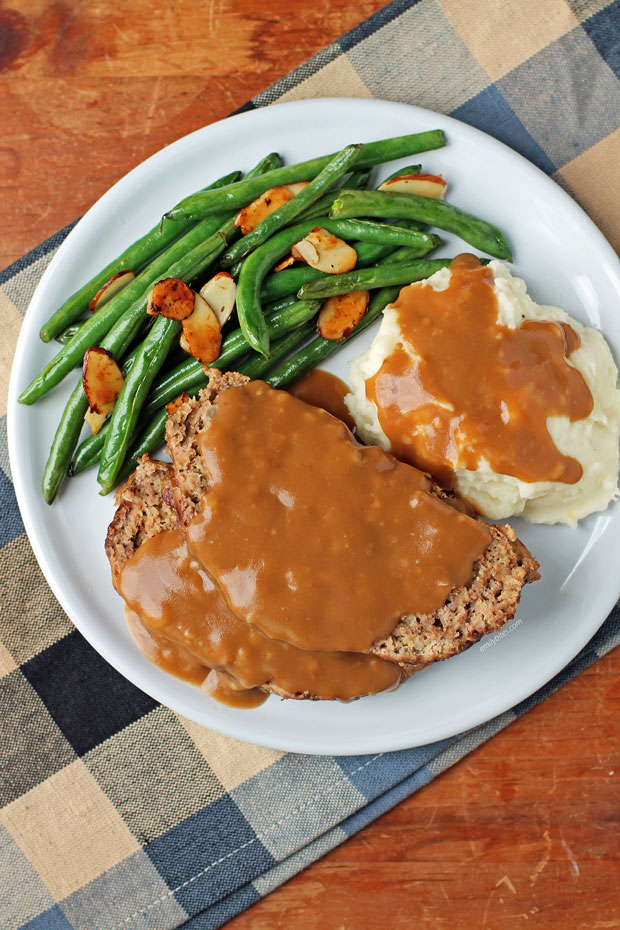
(201, 336)
(320, 249)
(94, 420)
(340, 315)
(174, 405)
(171, 298)
(426, 185)
(285, 263)
(305, 251)
(102, 380)
(112, 286)
(220, 293)
(249, 217)
(297, 187)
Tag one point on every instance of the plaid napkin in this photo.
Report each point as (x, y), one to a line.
(118, 814)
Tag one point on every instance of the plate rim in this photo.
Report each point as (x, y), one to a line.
(295, 743)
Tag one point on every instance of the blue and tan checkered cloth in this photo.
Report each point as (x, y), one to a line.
(116, 813)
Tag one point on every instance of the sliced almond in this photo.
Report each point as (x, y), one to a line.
(94, 420)
(102, 380)
(201, 336)
(297, 187)
(305, 251)
(220, 293)
(326, 252)
(171, 298)
(340, 315)
(425, 185)
(112, 286)
(249, 217)
(285, 263)
(174, 405)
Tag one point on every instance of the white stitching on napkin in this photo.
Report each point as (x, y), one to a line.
(258, 836)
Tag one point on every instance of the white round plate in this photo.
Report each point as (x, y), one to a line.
(565, 261)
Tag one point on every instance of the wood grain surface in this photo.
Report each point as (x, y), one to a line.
(525, 832)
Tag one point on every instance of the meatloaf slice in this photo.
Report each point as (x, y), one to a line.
(144, 510)
(484, 606)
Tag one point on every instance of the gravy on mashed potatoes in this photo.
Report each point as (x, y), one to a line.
(514, 405)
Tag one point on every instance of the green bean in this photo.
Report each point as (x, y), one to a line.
(319, 349)
(357, 180)
(64, 442)
(375, 233)
(72, 419)
(364, 279)
(282, 283)
(398, 256)
(335, 169)
(253, 270)
(324, 203)
(88, 452)
(235, 269)
(403, 172)
(379, 233)
(127, 362)
(371, 234)
(135, 256)
(68, 333)
(257, 365)
(136, 385)
(405, 255)
(241, 193)
(477, 232)
(280, 304)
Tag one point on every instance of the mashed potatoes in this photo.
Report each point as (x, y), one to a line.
(593, 441)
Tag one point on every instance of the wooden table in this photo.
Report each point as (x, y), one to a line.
(525, 832)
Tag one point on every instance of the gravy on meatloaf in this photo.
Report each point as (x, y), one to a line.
(182, 623)
(314, 539)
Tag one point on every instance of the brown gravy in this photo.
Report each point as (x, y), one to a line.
(183, 624)
(314, 539)
(178, 660)
(474, 388)
(321, 389)
(172, 657)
